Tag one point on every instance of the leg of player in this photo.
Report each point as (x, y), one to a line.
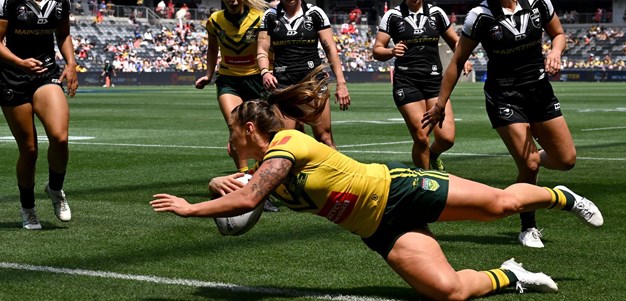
(322, 129)
(227, 103)
(21, 124)
(556, 140)
(412, 113)
(444, 137)
(50, 106)
(469, 200)
(520, 142)
(418, 259)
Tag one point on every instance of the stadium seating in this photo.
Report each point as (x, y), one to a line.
(124, 43)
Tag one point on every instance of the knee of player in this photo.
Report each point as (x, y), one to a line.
(421, 141)
(449, 289)
(507, 204)
(568, 162)
(504, 204)
(530, 165)
(58, 139)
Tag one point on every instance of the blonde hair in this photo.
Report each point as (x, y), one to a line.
(304, 102)
(259, 5)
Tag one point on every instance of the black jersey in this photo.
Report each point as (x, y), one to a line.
(512, 40)
(31, 26)
(295, 43)
(420, 32)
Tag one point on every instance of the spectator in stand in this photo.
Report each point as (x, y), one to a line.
(355, 15)
(160, 8)
(92, 6)
(453, 18)
(110, 8)
(170, 9)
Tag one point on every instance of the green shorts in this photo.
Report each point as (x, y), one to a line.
(247, 87)
(416, 197)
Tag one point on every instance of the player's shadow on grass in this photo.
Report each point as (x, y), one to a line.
(502, 238)
(250, 293)
(17, 225)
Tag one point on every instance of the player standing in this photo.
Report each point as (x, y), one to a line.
(30, 85)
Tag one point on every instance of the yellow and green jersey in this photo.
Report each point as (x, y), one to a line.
(237, 38)
(325, 182)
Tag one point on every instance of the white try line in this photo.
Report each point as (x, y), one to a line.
(188, 282)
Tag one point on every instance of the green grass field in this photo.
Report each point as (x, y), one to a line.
(130, 143)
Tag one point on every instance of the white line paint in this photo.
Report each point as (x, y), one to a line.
(339, 147)
(151, 145)
(187, 282)
(374, 144)
(388, 121)
(45, 138)
(604, 129)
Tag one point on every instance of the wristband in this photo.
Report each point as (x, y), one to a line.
(265, 71)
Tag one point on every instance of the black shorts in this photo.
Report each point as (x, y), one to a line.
(410, 88)
(291, 78)
(247, 87)
(529, 103)
(416, 197)
(18, 88)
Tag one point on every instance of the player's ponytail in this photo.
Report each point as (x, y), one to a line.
(305, 100)
(260, 5)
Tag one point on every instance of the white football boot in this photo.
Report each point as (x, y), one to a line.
(585, 209)
(61, 207)
(538, 282)
(30, 220)
(531, 238)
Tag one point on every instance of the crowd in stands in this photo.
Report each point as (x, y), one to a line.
(182, 46)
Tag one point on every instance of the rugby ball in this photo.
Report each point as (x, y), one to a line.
(239, 224)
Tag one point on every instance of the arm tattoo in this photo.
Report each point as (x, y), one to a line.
(325, 46)
(272, 172)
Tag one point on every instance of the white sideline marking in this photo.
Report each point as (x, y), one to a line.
(186, 282)
(45, 138)
(339, 147)
(604, 129)
(388, 121)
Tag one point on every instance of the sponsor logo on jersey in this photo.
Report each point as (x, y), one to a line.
(511, 25)
(338, 206)
(430, 185)
(417, 22)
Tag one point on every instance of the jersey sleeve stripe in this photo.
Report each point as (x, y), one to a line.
(279, 153)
